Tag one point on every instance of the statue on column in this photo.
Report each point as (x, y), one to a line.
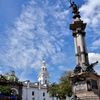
(78, 28)
(75, 8)
(84, 79)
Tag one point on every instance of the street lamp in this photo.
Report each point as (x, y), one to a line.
(27, 86)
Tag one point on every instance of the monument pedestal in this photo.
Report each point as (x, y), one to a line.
(86, 86)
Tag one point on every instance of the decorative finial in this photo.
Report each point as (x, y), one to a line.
(43, 62)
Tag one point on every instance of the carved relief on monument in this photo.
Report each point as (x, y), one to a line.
(80, 87)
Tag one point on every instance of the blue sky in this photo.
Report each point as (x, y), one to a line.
(33, 29)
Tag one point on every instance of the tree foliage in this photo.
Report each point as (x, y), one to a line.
(65, 83)
(6, 90)
(63, 88)
(52, 89)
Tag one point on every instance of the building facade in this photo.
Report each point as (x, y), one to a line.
(37, 90)
(9, 82)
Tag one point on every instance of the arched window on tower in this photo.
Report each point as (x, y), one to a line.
(45, 81)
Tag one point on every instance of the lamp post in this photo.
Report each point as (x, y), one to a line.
(27, 87)
(39, 89)
(26, 93)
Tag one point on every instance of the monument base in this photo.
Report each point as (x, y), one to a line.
(88, 96)
(86, 86)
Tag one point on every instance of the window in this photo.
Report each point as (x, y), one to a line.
(33, 98)
(94, 84)
(33, 93)
(45, 81)
(43, 94)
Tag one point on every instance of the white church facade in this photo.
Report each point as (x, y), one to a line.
(37, 90)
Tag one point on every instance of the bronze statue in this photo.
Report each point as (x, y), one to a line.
(73, 6)
(75, 9)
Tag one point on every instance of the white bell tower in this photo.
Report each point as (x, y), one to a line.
(43, 75)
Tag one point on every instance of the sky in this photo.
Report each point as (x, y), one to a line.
(31, 30)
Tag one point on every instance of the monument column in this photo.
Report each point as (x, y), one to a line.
(84, 78)
(78, 29)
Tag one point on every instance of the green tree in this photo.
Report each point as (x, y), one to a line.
(52, 89)
(65, 83)
(6, 90)
(63, 88)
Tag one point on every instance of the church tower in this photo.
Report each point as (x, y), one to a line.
(43, 75)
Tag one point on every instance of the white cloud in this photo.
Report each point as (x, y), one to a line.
(93, 57)
(98, 69)
(39, 31)
(64, 68)
(96, 44)
(90, 12)
(58, 58)
(0, 71)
